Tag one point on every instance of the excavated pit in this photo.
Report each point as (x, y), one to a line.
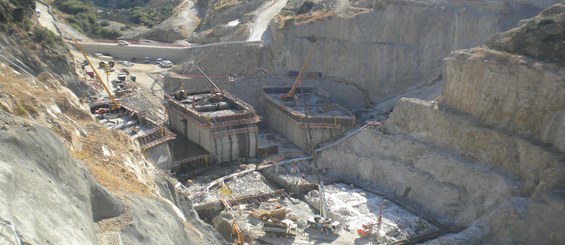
(239, 191)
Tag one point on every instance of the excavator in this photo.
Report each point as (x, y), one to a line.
(235, 231)
(298, 80)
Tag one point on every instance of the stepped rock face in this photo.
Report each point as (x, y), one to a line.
(395, 44)
(430, 178)
(498, 123)
(510, 92)
(470, 138)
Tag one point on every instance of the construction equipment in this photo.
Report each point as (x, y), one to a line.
(298, 80)
(275, 215)
(324, 224)
(367, 229)
(284, 229)
(321, 222)
(209, 80)
(116, 105)
(235, 231)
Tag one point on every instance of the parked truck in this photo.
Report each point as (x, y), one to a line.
(280, 229)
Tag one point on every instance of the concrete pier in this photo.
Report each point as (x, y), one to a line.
(326, 120)
(223, 125)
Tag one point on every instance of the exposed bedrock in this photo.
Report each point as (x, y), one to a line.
(57, 195)
(455, 132)
(487, 156)
(396, 44)
(423, 174)
(510, 92)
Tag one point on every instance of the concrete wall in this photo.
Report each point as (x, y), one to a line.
(290, 129)
(225, 148)
(160, 156)
(175, 54)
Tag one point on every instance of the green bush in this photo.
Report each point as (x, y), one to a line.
(546, 21)
(107, 33)
(105, 23)
(41, 34)
(74, 6)
(149, 16)
(83, 14)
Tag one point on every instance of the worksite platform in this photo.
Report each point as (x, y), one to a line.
(325, 119)
(218, 122)
(151, 136)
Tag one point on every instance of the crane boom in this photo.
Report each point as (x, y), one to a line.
(298, 81)
(209, 80)
(116, 104)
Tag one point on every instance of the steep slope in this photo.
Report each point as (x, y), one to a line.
(384, 47)
(66, 179)
(34, 48)
(483, 157)
(41, 122)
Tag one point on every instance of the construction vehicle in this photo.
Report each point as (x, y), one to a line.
(322, 222)
(235, 231)
(298, 80)
(367, 229)
(280, 229)
(115, 103)
(274, 216)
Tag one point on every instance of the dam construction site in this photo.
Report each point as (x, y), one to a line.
(282, 122)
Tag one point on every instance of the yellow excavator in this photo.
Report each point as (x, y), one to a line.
(236, 231)
(298, 81)
(115, 105)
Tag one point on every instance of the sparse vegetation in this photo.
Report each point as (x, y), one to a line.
(83, 17)
(148, 16)
(225, 3)
(43, 35)
(107, 33)
(546, 21)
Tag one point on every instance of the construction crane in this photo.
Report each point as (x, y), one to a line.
(116, 105)
(209, 80)
(236, 231)
(321, 222)
(298, 81)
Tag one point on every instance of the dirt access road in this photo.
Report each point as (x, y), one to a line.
(266, 14)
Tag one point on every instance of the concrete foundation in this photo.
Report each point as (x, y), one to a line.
(326, 120)
(220, 123)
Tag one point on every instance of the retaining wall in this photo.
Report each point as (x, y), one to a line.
(227, 138)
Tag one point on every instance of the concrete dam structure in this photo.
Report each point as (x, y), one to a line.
(309, 108)
(220, 123)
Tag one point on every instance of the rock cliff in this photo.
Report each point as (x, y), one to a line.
(486, 156)
(385, 47)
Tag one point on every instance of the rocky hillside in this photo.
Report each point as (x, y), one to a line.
(34, 48)
(383, 46)
(67, 179)
(487, 157)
